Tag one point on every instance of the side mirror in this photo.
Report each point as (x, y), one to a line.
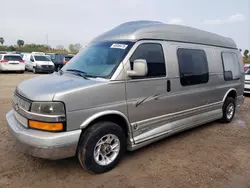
(140, 68)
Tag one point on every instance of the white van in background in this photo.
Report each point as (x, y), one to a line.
(38, 62)
(11, 62)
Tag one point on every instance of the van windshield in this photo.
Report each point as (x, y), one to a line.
(41, 58)
(99, 59)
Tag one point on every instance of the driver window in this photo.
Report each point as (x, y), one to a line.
(153, 54)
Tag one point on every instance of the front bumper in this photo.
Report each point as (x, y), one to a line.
(247, 87)
(45, 69)
(43, 144)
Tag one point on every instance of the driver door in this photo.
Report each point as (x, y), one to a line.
(147, 96)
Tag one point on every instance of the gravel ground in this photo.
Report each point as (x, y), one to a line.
(212, 155)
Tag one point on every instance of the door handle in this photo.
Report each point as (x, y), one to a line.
(168, 86)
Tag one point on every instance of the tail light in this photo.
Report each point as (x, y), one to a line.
(4, 61)
(21, 61)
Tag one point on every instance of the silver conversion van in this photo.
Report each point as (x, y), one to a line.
(131, 86)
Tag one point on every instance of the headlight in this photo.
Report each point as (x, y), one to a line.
(48, 108)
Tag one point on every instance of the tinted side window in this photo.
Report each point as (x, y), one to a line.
(193, 66)
(31, 58)
(231, 66)
(154, 56)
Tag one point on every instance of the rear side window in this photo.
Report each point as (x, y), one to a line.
(193, 66)
(12, 58)
(0, 57)
(231, 66)
(154, 56)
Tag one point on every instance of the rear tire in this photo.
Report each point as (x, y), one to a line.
(101, 147)
(228, 110)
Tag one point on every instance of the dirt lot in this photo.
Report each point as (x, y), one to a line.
(213, 155)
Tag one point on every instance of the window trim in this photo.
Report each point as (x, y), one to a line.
(198, 49)
(223, 66)
(149, 78)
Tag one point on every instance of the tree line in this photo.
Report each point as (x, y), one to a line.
(22, 47)
(246, 56)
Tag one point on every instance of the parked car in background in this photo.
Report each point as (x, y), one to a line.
(247, 81)
(59, 60)
(246, 66)
(11, 62)
(134, 85)
(66, 59)
(38, 62)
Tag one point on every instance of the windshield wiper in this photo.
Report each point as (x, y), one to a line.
(79, 73)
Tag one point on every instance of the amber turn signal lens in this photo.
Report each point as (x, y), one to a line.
(45, 126)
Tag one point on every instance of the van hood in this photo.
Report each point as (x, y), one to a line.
(44, 88)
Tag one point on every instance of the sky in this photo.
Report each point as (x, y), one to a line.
(62, 22)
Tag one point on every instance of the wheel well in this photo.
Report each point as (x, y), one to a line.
(119, 120)
(232, 94)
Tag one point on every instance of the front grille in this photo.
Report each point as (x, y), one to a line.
(47, 66)
(246, 89)
(21, 101)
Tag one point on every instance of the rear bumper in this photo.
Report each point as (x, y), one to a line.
(17, 67)
(43, 144)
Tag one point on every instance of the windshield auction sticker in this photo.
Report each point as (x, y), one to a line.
(120, 46)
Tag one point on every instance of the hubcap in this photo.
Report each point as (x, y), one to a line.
(107, 149)
(230, 111)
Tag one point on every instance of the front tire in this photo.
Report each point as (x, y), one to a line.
(228, 110)
(34, 70)
(101, 147)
